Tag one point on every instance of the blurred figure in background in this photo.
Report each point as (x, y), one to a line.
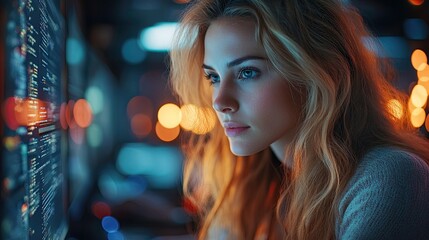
(306, 146)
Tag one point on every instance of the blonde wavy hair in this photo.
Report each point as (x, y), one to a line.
(316, 45)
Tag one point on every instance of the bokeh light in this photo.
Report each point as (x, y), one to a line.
(82, 113)
(63, 120)
(101, 209)
(95, 98)
(11, 143)
(139, 104)
(189, 116)
(110, 224)
(169, 115)
(427, 123)
(69, 113)
(22, 112)
(424, 73)
(115, 236)
(206, 121)
(418, 117)
(419, 96)
(141, 125)
(196, 119)
(132, 52)
(419, 59)
(157, 37)
(425, 83)
(415, 28)
(75, 51)
(77, 134)
(396, 108)
(159, 164)
(95, 135)
(411, 107)
(9, 113)
(24, 208)
(166, 134)
(416, 2)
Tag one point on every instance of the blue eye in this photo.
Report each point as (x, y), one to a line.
(248, 73)
(213, 78)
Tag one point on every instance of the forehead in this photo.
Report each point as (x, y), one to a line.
(231, 37)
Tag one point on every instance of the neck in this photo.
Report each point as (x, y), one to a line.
(280, 153)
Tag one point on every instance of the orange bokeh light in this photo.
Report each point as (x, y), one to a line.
(206, 121)
(9, 113)
(169, 115)
(424, 73)
(24, 208)
(139, 104)
(69, 113)
(167, 134)
(141, 125)
(416, 2)
(418, 117)
(82, 113)
(63, 120)
(419, 96)
(419, 60)
(196, 119)
(25, 112)
(427, 123)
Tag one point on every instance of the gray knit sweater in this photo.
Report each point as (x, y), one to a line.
(387, 198)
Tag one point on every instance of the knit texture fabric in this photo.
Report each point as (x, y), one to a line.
(387, 198)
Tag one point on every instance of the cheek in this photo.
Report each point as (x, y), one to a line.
(276, 102)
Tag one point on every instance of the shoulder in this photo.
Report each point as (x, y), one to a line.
(387, 197)
(391, 165)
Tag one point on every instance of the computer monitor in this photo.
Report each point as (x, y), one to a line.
(34, 145)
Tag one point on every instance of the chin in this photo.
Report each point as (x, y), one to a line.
(240, 152)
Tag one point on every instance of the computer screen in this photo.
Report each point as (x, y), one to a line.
(34, 144)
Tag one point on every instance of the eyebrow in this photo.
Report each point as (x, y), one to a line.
(237, 61)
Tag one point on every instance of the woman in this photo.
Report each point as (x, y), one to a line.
(306, 146)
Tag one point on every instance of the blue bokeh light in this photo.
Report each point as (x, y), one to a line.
(115, 236)
(110, 224)
(416, 29)
(75, 51)
(131, 51)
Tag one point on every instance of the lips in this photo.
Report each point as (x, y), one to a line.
(233, 129)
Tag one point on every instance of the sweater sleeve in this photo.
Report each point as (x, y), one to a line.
(387, 198)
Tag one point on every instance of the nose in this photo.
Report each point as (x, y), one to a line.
(225, 100)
